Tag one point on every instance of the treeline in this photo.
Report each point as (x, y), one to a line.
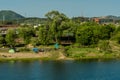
(29, 21)
(58, 26)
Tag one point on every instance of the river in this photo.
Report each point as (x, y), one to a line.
(60, 70)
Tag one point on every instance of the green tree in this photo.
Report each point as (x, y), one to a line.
(56, 18)
(44, 35)
(34, 41)
(26, 34)
(84, 36)
(10, 37)
(116, 35)
(69, 28)
(2, 40)
(106, 32)
(88, 34)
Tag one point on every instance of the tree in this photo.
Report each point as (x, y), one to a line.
(44, 35)
(2, 40)
(116, 35)
(84, 36)
(69, 27)
(34, 41)
(88, 34)
(26, 33)
(55, 18)
(106, 31)
(10, 37)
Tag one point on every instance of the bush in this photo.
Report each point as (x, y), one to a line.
(87, 35)
(104, 46)
(24, 49)
(66, 51)
(116, 37)
(106, 32)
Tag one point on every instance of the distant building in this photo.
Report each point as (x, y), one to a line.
(103, 20)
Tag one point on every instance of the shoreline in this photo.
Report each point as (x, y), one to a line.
(42, 56)
(30, 56)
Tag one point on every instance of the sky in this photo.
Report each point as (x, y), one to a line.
(72, 8)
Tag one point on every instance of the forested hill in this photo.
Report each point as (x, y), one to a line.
(33, 20)
(8, 15)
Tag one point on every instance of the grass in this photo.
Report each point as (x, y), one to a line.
(81, 52)
(76, 53)
(24, 59)
(90, 53)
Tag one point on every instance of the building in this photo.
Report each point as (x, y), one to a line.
(104, 20)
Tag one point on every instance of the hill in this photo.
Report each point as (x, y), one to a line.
(9, 15)
(33, 20)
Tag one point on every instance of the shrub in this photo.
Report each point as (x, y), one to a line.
(24, 49)
(104, 46)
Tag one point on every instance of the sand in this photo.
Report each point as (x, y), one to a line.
(22, 55)
(40, 55)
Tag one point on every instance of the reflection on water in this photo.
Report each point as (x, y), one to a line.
(60, 70)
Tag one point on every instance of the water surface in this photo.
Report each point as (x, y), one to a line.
(60, 70)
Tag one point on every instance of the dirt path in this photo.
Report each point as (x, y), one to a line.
(22, 55)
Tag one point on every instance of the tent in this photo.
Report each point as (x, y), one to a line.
(36, 50)
(56, 45)
(11, 51)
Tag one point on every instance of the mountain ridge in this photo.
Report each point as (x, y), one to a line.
(9, 15)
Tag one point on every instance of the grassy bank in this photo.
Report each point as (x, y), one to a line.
(66, 53)
(91, 53)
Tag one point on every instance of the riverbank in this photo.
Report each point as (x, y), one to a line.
(33, 56)
(68, 53)
(48, 56)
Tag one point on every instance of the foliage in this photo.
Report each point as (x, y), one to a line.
(34, 41)
(26, 33)
(10, 37)
(80, 19)
(104, 46)
(116, 35)
(90, 33)
(44, 35)
(87, 35)
(56, 20)
(24, 49)
(106, 32)
(33, 21)
(68, 28)
(58, 27)
(2, 40)
(117, 30)
(80, 52)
